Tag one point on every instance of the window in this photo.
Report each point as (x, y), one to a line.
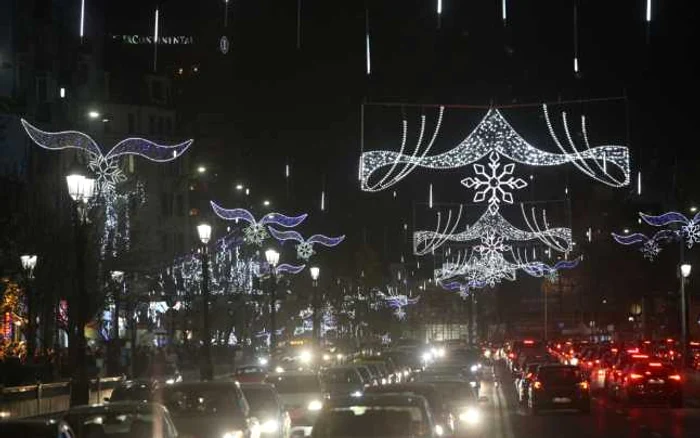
(132, 123)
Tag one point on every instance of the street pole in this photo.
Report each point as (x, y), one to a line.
(80, 390)
(273, 311)
(546, 316)
(684, 272)
(207, 368)
(315, 304)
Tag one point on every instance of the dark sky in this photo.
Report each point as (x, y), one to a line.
(283, 105)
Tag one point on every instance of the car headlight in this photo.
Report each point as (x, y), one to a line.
(383, 381)
(441, 352)
(269, 426)
(474, 368)
(233, 434)
(305, 357)
(439, 431)
(470, 416)
(279, 369)
(326, 357)
(315, 405)
(472, 384)
(427, 356)
(262, 361)
(356, 394)
(170, 381)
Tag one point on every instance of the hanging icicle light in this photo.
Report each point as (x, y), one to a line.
(639, 183)
(369, 64)
(286, 171)
(156, 32)
(576, 66)
(504, 11)
(648, 11)
(430, 196)
(439, 13)
(82, 20)
(589, 234)
(323, 200)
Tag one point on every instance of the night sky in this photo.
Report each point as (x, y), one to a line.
(283, 105)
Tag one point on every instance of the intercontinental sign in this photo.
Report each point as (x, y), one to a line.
(165, 40)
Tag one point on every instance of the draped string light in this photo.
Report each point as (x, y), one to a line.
(256, 231)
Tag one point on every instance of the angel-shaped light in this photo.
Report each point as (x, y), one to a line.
(256, 231)
(305, 248)
(105, 166)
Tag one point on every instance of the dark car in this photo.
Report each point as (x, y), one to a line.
(133, 390)
(559, 387)
(341, 381)
(437, 404)
(385, 415)
(209, 409)
(36, 428)
(266, 406)
(461, 400)
(653, 382)
(250, 374)
(121, 419)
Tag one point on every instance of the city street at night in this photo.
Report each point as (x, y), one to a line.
(349, 219)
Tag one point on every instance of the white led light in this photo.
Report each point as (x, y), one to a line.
(62, 93)
(639, 183)
(82, 18)
(286, 171)
(648, 11)
(439, 7)
(504, 10)
(575, 64)
(430, 196)
(369, 62)
(323, 200)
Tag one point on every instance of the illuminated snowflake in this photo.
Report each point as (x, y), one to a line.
(107, 170)
(464, 293)
(400, 314)
(497, 186)
(691, 231)
(386, 339)
(492, 246)
(552, 276)
(305, 250)
(650, 249)
(255, 234)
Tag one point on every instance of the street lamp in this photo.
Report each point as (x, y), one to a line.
(273, 257)
(316, 332)
(80, 189)
(685, 269)
(206, 371)
(28, 264)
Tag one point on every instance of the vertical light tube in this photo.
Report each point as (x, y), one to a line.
(575, 65)
(323, 200)
(369, 64)
(576, 36)
(504, 10)
(430, 196)
(639, 183)
(82, 19)
(226, 14)
(648, 15)
(439, 7)
(286, 170)
(155, 27)
(156, 32)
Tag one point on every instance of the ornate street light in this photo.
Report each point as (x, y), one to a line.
(28, 264)
(81, 189)
(685, 269)
(207, 368)
(316, 331)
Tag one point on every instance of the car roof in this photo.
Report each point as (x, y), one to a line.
(121, 406)
(257, 385)
(203, 385)
(392, 399)
(293, 374)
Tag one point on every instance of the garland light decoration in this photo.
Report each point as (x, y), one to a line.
(495, 135)
(256, 232)
(305, 248)
(688, 231)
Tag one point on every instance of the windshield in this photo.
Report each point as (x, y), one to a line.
(260, 399)
(203, 401)
(378, 421)
(295, 384)
(343, 376)
(118, 425)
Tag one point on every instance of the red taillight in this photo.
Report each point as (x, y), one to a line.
(537, 385)
(511, 355)
(529, 376)
(597, 361)
(601, 373)
(676, 377)
(614, 350)
(635, 376)
(633, 350)
(584, 386)
(590, 363)
(655, 364)
(528, 342)
(640, 356)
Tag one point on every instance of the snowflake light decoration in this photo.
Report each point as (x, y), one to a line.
(650, 249)
(108, 172)
(691, 232)
(686, 229)
(492, 245)
(305, 250)
(494, 185)
(255, 234)
(400, 314)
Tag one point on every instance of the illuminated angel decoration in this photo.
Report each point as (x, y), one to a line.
(686, 229)
(608, 164)
(105, 166)
(305, 248)
(256, 231)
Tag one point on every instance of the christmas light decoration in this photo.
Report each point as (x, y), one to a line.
(495, 134)
(396, 301)
(367, 48)
(256, 232)
(688, 230)
(648, 11)
(305, 247)
(82, 19)
(494, 183)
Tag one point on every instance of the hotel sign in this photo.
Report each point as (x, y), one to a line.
(181, 40)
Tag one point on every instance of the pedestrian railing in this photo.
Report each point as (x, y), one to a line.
(47, 398)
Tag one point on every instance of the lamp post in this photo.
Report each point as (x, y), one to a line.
(206, 371)
(80, 189)
(685, 269)
(28, 264)
(273, 257)
(315, 303)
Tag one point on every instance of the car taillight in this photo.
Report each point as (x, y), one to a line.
(511, 355)
(584, 386)
(537, 385)
(601, 373)
(528, 376)
(635, 376)
(676, 377)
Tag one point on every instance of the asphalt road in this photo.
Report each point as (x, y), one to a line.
(608, 419)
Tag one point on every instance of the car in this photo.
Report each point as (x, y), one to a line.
(465, 406)
(522, 384)
(367, 378)
(615, 377)
(651, 381)
(213, 409)
(266, 405)
(302, 397)
(36, 428)
(345, 380)
(250, 374)
(164, 373)
(470, 374)
(133, 390)
(439, 409)
(385, 415)
(377, 372)
(559, 387)
(119, 419)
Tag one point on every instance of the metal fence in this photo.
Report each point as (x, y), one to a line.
(40, 399)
